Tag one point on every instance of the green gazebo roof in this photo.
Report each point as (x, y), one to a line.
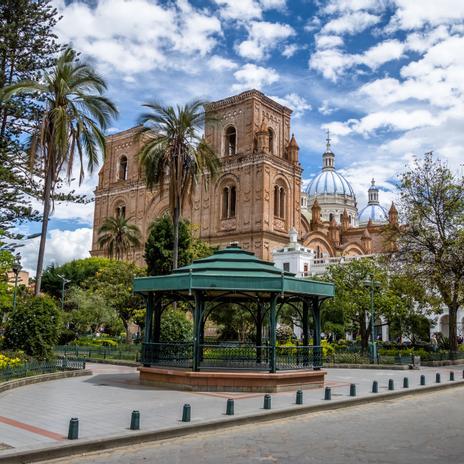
(232, 269)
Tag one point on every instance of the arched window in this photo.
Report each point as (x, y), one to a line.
(122, 173)
(349, 219)
(229, 200)
(341, 218)
(230, 142)
(331, 216)
(279, 201)
(271, 141)
(120, 211)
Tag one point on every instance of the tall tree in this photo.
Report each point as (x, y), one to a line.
(431, 243)
(27, 47)
(74, 115)
(174, 153)
(118, 236)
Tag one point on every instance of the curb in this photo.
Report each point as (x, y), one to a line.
(114, 362)
(391, 367)
(118, 441)
(10, 384)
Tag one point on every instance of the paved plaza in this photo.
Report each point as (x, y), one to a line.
(38, 415)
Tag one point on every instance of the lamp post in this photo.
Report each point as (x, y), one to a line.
(16, 270)
(64, 281)
(372, 284)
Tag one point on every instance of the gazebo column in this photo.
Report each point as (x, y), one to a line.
(316, 307)
(148, 334)
(305, 323)
(272, 334)
(197, 324)
(259, 332)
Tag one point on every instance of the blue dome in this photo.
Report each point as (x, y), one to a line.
(375, 212)
(330, 182)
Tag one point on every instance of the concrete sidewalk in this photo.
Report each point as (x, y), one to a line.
(37, 416)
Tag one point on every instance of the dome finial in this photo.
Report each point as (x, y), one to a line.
(373, 182)
(328, 140)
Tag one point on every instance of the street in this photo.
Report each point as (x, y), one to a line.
(427, 428)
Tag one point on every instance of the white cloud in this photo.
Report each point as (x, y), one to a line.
(245, 10)
(293, 101)
(133, 36)
(290, 50)
(352, 23)
(251, 76)
(326, 109)
(262, 38)
(218, 63)
(415, 14)
(328, 41)
(313, 24)
(61, 246)
(347, 6)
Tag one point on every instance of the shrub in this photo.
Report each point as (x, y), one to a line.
(34, 327)
(284, 333)
(175, 327)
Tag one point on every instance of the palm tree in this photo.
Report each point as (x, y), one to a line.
(74, 114)
(118, 236)
(174, 153)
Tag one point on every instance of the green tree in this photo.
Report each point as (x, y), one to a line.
(34, 327)
(430, 245)
(118, 236)
(175, 327)
(27, 47)
(75, 112)
(114, 283)
(352, 297)
(174, 153)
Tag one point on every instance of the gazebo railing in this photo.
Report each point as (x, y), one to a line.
(298, 357)
(170, 354)
(234, 356)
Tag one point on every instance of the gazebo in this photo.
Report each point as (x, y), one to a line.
(228, 279)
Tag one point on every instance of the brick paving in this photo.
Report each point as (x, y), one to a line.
(38, 415)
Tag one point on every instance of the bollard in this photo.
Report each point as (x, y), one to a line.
(451, 376)
(463, 374)
(375, 387)
(405, 382)
(73, 432)
(230, 407)
(438, 378)
(299, 397)
(267, 402)
(328, 393)
(391, 384)
(135, 420)
(352, 389)
(422, 379)
(186, 413)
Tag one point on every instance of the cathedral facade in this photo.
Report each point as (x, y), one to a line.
(257, 199)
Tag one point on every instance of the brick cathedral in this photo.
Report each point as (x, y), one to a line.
(257, 199)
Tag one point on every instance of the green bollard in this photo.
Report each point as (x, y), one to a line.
(230, 407)
(375, 387)
(135, 420)
(299, 397)
(328, 393)
(422, 380)
(438, 378)
(451, 376)
(352, 389)
(267, 402)
(463, 374)
(405, 382)
(73, 432)
(186, 413)
(391, 384)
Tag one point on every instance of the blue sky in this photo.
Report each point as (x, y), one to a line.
(385, 76)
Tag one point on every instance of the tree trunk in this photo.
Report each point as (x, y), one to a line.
(452, 318)
(43, 236)
(175, 248)
(364, 333)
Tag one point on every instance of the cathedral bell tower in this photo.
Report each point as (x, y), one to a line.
(256, 198)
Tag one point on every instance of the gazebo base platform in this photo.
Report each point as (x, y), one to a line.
(231, 381)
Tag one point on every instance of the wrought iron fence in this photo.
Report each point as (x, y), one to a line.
(175, 354)
(128, 353)
(37, 368)
(234, 356)
(298, 357)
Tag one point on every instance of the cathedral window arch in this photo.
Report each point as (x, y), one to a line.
(122, 168)
(280, 196)
(120, 211)
(271, 140)
(229, 201)
(230, 141)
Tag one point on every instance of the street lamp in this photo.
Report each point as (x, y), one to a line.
(372, 284)
(64, 282)
(16, 267)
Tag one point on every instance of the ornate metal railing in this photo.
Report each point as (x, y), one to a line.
(234, 356)
(171, 354)
(298, 357)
